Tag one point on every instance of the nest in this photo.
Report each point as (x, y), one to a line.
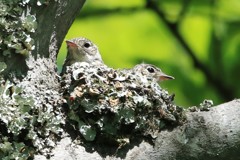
(116, 103)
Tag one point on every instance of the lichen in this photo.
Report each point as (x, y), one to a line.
(204, 106)
(46, 112)
(17, 25)
(116, 103)
(30, 114)
(15, 119)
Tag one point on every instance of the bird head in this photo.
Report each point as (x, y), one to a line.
(83, 50)
(152, 72)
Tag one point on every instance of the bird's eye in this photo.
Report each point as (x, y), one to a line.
(151, 70)
(86, 45)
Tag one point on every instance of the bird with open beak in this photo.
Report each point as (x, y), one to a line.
(81, 50)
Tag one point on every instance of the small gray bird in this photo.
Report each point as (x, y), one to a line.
(81, 50)
(151, 72)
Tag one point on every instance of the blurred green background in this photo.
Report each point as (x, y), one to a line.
(197, 42)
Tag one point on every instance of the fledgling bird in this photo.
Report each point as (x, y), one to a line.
(81, 50)
(151, 72)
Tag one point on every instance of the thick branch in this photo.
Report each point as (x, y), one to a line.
(109, 11)
(54, 20)
(206, 135)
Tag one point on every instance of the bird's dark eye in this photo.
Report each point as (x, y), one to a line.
(86, 45)
(151, 70)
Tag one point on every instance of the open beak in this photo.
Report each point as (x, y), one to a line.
(71, 44)
(163, 77)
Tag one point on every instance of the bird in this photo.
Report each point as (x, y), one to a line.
(108, 102)
(151, 72)
(81, 50)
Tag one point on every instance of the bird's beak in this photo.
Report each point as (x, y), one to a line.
(71, 44)
(163, 77)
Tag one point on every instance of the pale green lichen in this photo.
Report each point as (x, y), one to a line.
(204, 106)
(116, 103)
(14, 119)
(26, 126)
(15, 150)
(16, 24)
(30, 123)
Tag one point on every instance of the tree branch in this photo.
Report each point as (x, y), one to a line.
(206, 135)
(109, 11)
(52, 30)
(225, 91)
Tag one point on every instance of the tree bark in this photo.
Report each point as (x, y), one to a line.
(54, 18)
(206, 135)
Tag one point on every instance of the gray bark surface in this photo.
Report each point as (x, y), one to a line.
(54, 21)
(206, 135)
